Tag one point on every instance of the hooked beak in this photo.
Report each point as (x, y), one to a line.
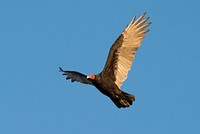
(91, 76)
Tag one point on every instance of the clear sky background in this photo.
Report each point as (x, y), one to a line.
(36, 37)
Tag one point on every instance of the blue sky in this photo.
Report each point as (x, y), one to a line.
(36, 37)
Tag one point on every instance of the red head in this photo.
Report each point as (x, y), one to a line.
(91, 76)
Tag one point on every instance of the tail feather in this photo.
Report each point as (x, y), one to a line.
(123, 100)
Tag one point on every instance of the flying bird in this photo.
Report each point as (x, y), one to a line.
(118, 64)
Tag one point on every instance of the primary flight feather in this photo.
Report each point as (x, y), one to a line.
(118, 64)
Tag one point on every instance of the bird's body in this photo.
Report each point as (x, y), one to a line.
(107, 87)
(119, 61)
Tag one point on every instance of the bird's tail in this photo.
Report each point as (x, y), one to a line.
(123, 100)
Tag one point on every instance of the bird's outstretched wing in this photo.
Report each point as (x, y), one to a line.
(123, 51)
(76, 76)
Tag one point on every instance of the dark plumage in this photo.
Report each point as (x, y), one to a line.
(76, 76)
(118, 64)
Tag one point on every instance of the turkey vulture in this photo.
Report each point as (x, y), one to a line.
(119, 61)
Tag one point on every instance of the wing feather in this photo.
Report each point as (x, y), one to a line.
(122, 52)
(76, 76)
